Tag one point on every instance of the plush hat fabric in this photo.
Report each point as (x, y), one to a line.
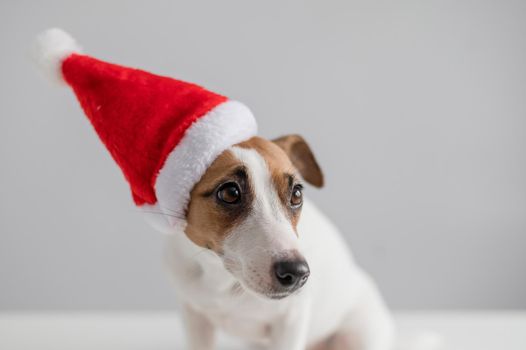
(162, 132)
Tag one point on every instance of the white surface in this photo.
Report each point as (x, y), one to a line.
(160, 331)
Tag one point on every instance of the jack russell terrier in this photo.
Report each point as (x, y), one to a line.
(261, 262)
(248, 253)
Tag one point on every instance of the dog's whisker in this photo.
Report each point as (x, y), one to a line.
(160, 213)
(173, 211)
(237, 289)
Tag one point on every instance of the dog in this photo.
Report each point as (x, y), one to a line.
(248, 253)
(260, 262)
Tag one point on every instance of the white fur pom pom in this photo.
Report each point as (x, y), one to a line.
(50, 49)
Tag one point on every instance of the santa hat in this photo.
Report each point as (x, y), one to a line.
(163, 133)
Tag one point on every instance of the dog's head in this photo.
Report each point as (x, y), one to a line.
(246, 209)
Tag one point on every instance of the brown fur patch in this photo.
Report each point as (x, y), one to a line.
(208, 223)
(302, 157)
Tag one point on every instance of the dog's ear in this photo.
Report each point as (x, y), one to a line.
(301, 157)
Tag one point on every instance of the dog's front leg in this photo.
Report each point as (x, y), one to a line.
(369, 325)
(200, 332)
(290, 332)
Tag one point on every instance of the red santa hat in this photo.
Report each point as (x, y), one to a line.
(162, 132)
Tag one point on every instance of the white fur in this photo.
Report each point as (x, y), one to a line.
(227, 124)
(265, 234)
(219, 293)
(51, 47)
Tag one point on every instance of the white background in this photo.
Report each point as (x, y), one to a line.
(416, 111)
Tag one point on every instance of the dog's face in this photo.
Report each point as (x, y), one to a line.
(246, 208)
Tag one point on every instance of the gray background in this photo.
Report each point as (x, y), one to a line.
(415, 109)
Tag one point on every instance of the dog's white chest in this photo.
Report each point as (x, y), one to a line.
(243, 326)
(239, 314)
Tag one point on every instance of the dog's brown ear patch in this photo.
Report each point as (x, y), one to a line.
(302, 157)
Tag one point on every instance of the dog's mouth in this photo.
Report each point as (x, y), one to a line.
(269, 292)
(278, 295)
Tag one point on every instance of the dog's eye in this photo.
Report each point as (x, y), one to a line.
(229, 193)
(296, 199)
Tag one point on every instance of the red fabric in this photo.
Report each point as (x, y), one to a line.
(139, 116)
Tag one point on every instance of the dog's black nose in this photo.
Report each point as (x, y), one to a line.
(291, 274)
